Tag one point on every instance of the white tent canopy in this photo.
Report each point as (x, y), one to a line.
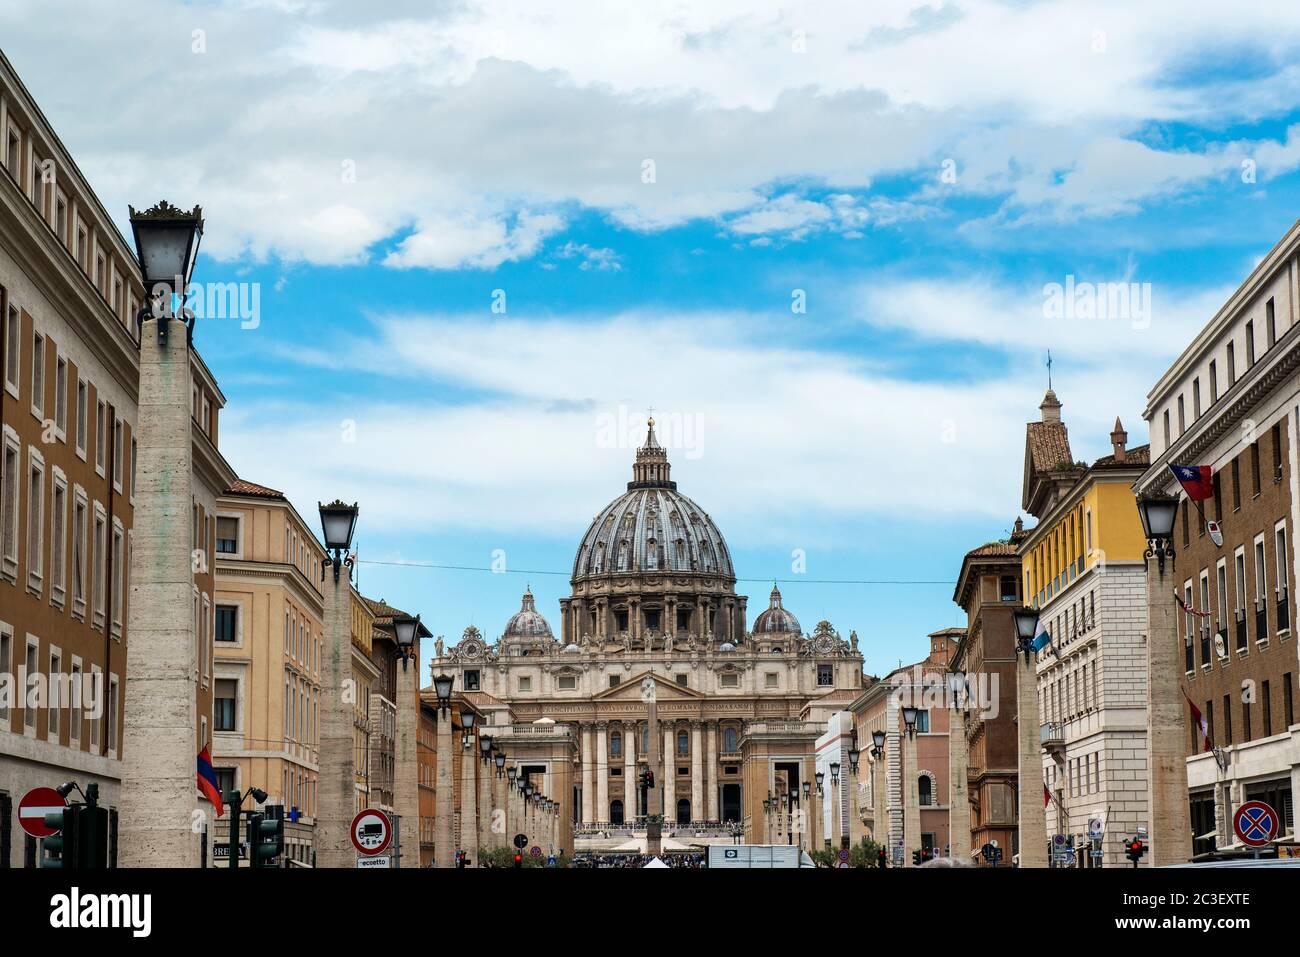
(656, 863)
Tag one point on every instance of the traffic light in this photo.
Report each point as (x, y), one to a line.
(916, 858)
(60, 850)
(519, 859)
(265, 836)
(1134, 850)
(650, 780)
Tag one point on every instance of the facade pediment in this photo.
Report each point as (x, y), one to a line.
(630, 690)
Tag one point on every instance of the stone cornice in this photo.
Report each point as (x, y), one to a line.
(1274, 368)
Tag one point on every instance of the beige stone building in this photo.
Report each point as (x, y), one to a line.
(739, 708)
(70, 289)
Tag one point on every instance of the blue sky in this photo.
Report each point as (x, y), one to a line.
(916, 172)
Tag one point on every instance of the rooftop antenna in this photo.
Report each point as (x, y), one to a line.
(1049, 370)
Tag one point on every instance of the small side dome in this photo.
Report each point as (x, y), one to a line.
(528, 622)
(775, 619)
(572, 649)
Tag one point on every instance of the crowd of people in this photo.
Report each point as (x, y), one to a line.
(685, 859)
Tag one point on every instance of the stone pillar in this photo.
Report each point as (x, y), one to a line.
(1033, 817)
(602, 772)
(697, 772)
(500, 801)
(406, 761)
(469, 800)
(959, 837)
(1170, 814)
(711, 772)
(337, 804)
(444, 839)
(160, 735)
(629, 773)
(670, 774)
(812, 809)
(911, 799)
(485, 837)
(880, 827)
(837, 805)
(588, 775)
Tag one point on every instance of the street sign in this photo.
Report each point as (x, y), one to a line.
(550, 861)
(371, 832)
(32, 809)
(1255, 823)
(844, 855)
(1058, 840)
(536, 851)
(381, 862)
(221, 851)
(521, 841)
(1095, 827)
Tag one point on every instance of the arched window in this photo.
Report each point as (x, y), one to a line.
(923, 787)
(645, 739)
(616, 744)
(682, 746)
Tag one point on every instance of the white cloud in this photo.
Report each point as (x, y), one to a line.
(474, 123)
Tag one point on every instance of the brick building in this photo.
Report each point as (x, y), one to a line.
(988, 590)
(1232, 401)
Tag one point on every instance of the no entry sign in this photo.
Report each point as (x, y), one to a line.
(32, 809)
(1255, 823)
(370, 832)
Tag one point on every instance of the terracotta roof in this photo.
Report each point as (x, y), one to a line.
(241, 487)
(992, 548)
(1049, 445)
(383, 611)
(1139, 457)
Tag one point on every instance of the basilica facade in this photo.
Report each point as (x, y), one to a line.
(738, 706)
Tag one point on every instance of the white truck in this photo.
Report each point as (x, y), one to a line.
(750, 856)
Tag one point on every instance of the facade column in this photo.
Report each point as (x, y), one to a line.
(338, 796)
(697, 772)
(602, 772)
(588, 775)
(444, 835)
(880, 827)
(1169, 811)
(406, 761)
(160, 733)
(670, 773)
(959, 838)
(911, 800)
(500, 798)
(711, 773)
(629, 773)
(1033, 816)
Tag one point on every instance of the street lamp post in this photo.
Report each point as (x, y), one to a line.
(807, 820)
(337, 755)
(911, 792)
(444, 839)
(485, 780)
(878, 778)
(160, 727)
(1169, 810)
(512, 823)
(855, 811)
(406, 756)
(821, 800)
(1031, 817)
(959, 837)
(837, 810)
(469, 767)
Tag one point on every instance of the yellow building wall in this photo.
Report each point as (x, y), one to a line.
(1116, 533)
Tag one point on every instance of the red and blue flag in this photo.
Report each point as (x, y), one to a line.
(208, 781)
(1197, 480)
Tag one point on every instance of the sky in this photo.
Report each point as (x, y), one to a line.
(477, 242)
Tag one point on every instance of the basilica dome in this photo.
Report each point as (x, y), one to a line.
(528, 621)
(652, 527)
(775, 619)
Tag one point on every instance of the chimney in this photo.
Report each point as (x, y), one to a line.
(1118, 439)
(1051, 407)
